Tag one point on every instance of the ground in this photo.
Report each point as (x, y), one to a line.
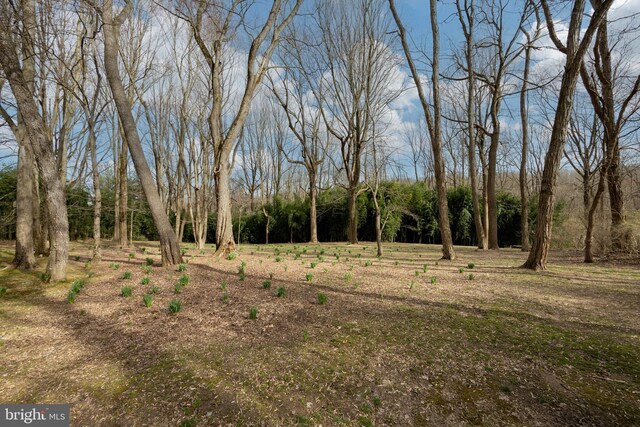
(407, 339)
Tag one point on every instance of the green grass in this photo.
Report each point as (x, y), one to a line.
(126, 291)
(148, 300)
(175, 306)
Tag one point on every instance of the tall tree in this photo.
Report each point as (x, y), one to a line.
(433, 119)
(614, 99)
(574, 49)
(213, 26)
(38, 140)
(169, 247)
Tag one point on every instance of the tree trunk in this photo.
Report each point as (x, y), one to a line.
(313, 190)
(491, 187)
(123, 196)
(352, 212)
(224, 222)
(25, 255)
(97, 198)
(440, 172)
(169, 247)
(524, 117)
(378, 226)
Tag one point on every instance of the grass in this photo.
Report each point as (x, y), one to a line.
(266, 284)
(321, 298)
(280, 292)
(148, 300)
(126, 291)
(175, 306)
(253, 313)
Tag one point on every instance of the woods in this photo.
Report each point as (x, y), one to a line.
(227, 111)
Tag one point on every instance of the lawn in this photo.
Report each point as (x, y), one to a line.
(326, 335)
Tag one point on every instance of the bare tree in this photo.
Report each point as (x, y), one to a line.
(169, 247)
(213, 26)
(614, 99)
(37, 139)
(433, 119)
(574, 50)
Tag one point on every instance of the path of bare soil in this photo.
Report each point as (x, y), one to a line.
(354, 340)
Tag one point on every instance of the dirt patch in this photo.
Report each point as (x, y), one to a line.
(340, 338)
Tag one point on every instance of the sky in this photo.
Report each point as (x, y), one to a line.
(415, 15)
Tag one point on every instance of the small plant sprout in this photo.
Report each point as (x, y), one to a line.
(470, 276)
(225, 297)
(417, 273)
(309, 277)
(396, 263)
(184, 280)
(126, 291)
(182, 268)
(425, 268)
(461, 270)
(144, 251)
(149, 261)
(253, 313)
(71, 297)
(177, 288)
(280, 292)
(313, 264)
(321, 298)
(147, 269)
(368, 264)
(434, 279)
(266, 284)
(155, 290)
(175, 306)
(132, 255)
(148, 300)
(145, 280)
(348, 277)
(470, 265)
(232, 256)
(3, 291)
(278, 258)
(183, 251)
(126, 275)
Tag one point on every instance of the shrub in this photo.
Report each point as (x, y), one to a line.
(309, 277)
(470, 276)
(278, 258)
(182, 268)
(184, 280)
(232, 256)
(368, 263)
(253, 313)
(126, 275)
(313, 264)
(175, 306)
(183, 251)
(148, 261)
(470, 265)
(280, 292)
(126, 291)
(461, 270)
(155, 290)
(434, 279)
(71, 297)
(132, 255)
(321, 298)
(177, 288)
(77, 286)
(148, 300)
(266, 284)
(145, 280)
